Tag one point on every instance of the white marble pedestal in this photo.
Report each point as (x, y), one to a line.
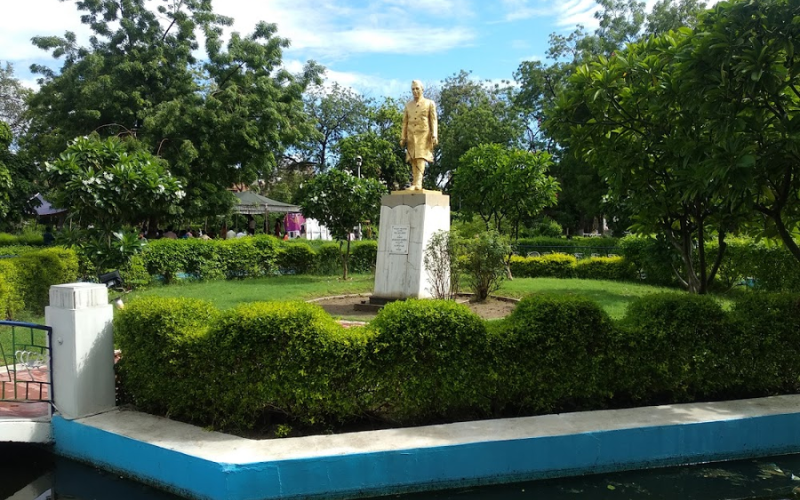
(408, 220)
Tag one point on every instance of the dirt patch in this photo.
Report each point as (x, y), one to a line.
(344, 307)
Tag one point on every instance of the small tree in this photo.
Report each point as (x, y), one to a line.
(341, 201)
(441, 261)
(483, 263)
(503, 185)
(109, 184)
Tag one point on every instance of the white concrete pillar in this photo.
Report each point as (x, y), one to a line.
(408, 220)
(82, 349)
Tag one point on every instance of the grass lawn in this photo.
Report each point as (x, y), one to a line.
(227, 294)
(613, 296)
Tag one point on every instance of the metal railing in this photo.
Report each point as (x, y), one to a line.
(25, 363)
(584, 251)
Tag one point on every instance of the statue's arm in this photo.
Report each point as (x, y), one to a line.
(434, 124)
(404, 132)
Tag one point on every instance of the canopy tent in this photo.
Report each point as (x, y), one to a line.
(44, 208)
(250, 203)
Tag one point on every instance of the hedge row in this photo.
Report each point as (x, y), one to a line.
(763, 265)
(25, 280)
(24, 239)
(560, 265)
(242, 258)
(432, 361)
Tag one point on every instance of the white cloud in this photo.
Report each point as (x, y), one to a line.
(329, 29)
(22, 21)
(574, 12)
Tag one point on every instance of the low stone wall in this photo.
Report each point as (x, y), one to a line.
(210, 465)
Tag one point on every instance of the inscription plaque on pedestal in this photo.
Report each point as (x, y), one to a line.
(399, 243)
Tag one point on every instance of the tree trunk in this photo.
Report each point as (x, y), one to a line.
(346, 257)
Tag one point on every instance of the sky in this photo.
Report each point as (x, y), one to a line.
(374, 46)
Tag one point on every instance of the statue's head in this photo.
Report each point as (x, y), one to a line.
(417, 88)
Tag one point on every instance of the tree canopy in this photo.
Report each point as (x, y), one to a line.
(502, 186)
(226, 118)
(341, 201)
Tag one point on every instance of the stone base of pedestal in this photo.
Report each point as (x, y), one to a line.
(408, 221)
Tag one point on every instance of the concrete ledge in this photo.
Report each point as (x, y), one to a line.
(25, 430)
(210, 465)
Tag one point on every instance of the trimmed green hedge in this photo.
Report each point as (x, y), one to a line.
(550, 353)
(266, 364)
(25, 280)
(24, 239)
(559, 265)
(672, 347)
(246, 257)
(427, 360)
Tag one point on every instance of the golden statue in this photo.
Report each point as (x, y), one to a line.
(420, 133)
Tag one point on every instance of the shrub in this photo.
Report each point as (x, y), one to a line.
(671, 347)
(134, 274)
(605, 268)
(296, 258)
(27, 238)
(547, 228)
(11, 302)
(329, 259)
(482, 261)
(289, 358)
(550, 354)
(238, 258)
(267, 248)
(363, 256)
(441, 263)
(36, 272)
(201, 259)
(17, 250)
(766, 346)
(556, 265)
(427, 359)
(167, 366)
(652, 258)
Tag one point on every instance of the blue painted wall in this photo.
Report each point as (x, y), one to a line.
(354, 475)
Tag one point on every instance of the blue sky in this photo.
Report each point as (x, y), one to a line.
(377, 47)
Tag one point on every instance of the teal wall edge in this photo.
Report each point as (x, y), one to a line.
(367, 474)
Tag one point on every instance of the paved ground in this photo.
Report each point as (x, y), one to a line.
(25, 379)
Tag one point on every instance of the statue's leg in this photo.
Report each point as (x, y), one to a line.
(418, 169)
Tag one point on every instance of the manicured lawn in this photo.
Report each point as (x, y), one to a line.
(226, 294)
(613, 296)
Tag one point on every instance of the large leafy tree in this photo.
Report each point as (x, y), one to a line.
(472, 113)
(12, 100)
(217, 120)
(341, 201)
(337, 112)
(505, 187)
(542, 83)
(742, 74)
(626, 116)
(5, 177)
(379, 148)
